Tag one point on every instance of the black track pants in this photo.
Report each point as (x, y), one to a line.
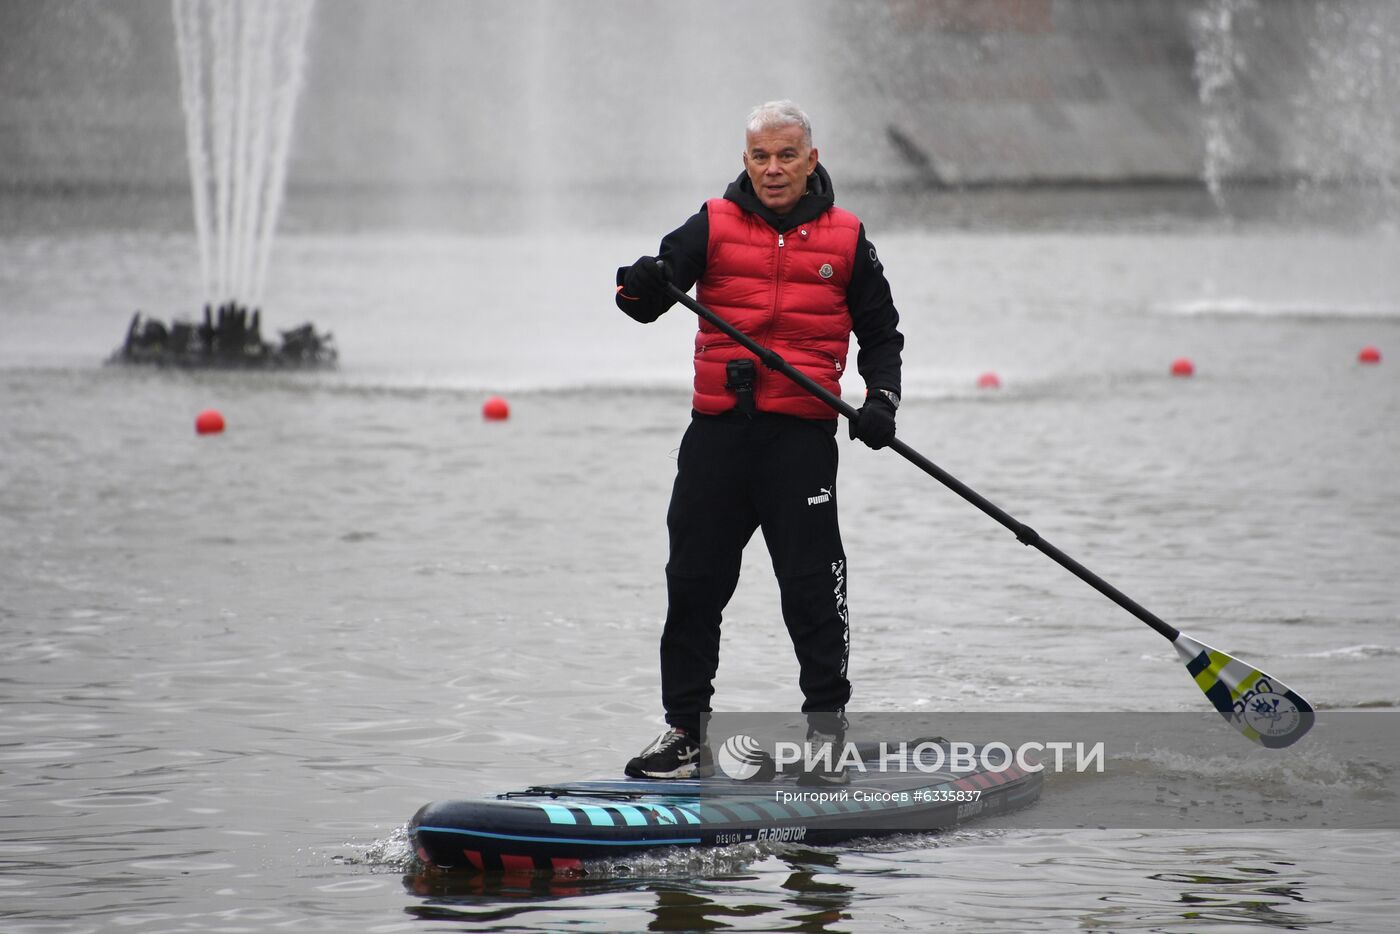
(737, 474)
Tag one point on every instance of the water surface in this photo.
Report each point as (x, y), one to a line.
(234, 666)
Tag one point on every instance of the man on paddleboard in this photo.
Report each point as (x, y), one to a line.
(776, 258)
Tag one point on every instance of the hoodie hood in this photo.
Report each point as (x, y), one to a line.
(818, 199)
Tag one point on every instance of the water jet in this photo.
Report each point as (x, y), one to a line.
(241, 65)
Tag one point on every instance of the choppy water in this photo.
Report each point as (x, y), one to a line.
(233, 666)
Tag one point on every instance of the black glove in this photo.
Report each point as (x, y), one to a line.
(874, 423)
(646, 280)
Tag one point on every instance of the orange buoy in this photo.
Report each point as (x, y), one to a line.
(1182, 366)
(495, 409)
(989, 380)
(209, 422)
(1369, 355)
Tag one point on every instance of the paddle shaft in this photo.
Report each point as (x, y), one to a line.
(1024, 533)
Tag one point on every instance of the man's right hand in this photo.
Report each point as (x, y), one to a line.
(646, 280)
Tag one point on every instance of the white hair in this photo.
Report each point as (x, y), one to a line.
(775, 114)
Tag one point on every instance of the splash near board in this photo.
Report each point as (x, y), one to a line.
(556, 827)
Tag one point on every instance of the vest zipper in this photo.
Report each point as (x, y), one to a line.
(759, 389)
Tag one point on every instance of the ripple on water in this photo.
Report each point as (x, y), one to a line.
(112, 799)
(175, 865)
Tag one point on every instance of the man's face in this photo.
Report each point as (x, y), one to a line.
(778, 162)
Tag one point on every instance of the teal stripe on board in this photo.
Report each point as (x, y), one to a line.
(631, 815)
(558, 814)
(773, 809)
(689, 817)
(744, 812)
(598, 817)
(664, 815)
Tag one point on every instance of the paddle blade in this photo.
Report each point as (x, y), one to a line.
(1260, 706)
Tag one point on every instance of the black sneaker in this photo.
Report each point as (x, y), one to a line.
(674, 754)
(826, 749)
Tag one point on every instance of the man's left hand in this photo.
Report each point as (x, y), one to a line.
(874, 423)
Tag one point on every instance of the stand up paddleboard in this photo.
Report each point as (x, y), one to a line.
(556, 827)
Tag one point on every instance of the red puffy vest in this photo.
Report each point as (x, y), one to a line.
(788, 292)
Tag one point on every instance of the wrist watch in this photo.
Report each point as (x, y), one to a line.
(890, 395)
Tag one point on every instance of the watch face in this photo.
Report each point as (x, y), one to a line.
(892, 396)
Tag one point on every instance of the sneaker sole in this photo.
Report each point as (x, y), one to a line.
(685, 771)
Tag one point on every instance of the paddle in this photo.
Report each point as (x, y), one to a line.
(1258, 705)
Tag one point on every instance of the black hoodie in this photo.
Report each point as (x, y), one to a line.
(873, 315)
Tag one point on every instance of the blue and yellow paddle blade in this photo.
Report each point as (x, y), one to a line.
(1260, 706)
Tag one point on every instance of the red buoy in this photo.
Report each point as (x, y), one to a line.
(989, 380)
(1182, 366)
(1369, 355)
(209, 422)
(495, 409)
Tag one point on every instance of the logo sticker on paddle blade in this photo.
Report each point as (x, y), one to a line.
(1269, 713)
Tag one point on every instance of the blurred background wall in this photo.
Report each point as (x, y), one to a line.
(538, 96)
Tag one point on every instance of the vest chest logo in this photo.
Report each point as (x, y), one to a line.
(826, 272)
